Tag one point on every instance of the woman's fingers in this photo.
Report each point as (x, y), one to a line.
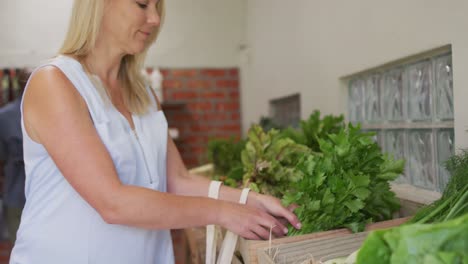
(261, 231)
(252, 223)
(280, 229)
(251, 235)
(292, 207)
(274, 207)
(262, 224)
(290, 216)
(283, 221)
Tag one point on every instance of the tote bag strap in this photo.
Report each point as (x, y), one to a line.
(230, 240)
(210, 255)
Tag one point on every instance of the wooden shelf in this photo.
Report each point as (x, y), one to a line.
(415, 194)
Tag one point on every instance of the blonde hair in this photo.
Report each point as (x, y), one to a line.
(85, 24)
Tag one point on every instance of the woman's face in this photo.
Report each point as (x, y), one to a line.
(128, 24)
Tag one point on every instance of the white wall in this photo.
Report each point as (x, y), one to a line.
(197, 33)
(201, 33)
(303, 46)
(31, 30)
(310, 45)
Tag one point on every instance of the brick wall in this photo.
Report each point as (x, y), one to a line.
(5, 250)
(180, 245)
(202, 104)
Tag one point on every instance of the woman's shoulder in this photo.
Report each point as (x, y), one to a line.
(49, 74)
(59, 69)
(62, 62)
(50, 97)
(48, 81)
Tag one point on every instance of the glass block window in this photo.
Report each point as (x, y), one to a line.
(410, 106)
(286, 111)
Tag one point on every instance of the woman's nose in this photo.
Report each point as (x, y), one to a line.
(153, 16)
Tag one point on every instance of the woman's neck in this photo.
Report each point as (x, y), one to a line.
(105, 63)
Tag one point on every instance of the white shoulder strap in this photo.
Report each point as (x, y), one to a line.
(210, 256)
(230, 240)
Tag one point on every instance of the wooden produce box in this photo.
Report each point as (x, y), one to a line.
(249, 248)
(312, 250)
(411, 199)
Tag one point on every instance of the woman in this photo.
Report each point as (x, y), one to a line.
(104, 182)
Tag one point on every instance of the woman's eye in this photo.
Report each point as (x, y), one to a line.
(142, 6)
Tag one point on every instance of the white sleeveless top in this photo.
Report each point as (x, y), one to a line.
(58, 226)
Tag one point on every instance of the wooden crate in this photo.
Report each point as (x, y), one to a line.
(411, 198)
(249, 248)
(312, 249)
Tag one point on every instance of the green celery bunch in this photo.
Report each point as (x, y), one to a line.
(313, 129)
(346, 185)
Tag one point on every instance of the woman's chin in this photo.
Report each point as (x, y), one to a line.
(137, 49)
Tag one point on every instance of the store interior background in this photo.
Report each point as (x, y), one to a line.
(224, 62)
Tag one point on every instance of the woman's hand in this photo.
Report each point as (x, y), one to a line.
(273, 206)
(252, 222)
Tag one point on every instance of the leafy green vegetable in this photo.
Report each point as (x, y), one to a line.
(457, 165)
(226, 153)
(267, 124)
(270, 161)
(314, 129)
(226, 157)
(454, 200)
(337, 175)
(346, 185)
(444, 243)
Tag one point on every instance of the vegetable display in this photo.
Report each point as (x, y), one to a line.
(454, 200)
(346, 185)
(314, 128)
(336, 174)
(225, 154)
(439, 243)
(270, 161)
(438, 233)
